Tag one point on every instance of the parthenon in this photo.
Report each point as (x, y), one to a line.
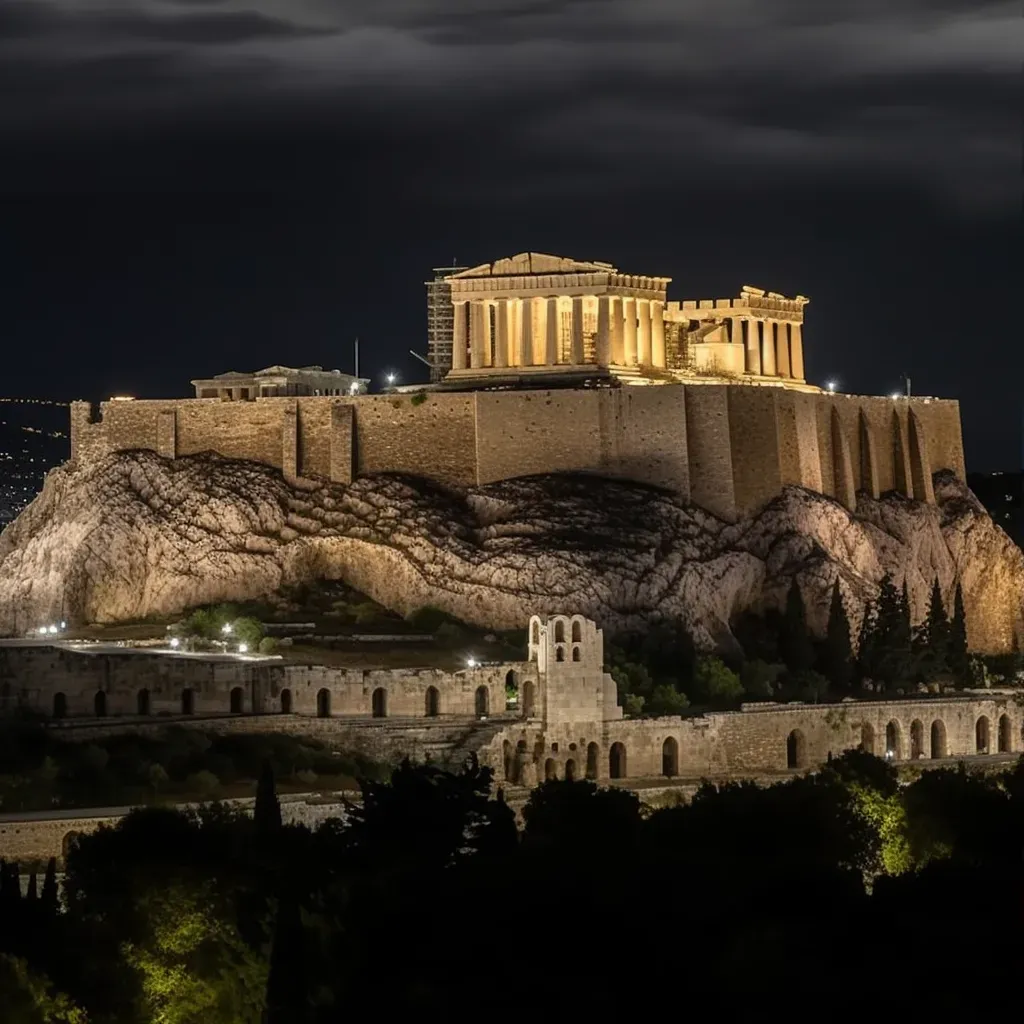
(537, 314)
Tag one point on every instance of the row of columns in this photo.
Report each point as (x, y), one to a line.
(774, 348)
(630, 332)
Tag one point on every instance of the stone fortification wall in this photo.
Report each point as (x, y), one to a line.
(728, 448)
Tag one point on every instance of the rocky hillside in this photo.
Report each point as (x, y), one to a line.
(137, 535)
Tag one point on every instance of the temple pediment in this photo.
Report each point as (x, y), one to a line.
(534, 263)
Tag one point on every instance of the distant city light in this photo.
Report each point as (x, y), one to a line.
(471, 662)
(242, 648)
(831, 385)
(391, 378)
(895, 394)
(53, 629)
(226, 628)
(175, 641)
(63, 625)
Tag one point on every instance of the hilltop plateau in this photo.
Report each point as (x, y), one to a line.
(133, 534)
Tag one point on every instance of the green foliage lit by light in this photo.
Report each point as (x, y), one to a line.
(28, 998)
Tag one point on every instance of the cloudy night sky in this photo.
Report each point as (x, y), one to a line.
(192, 186)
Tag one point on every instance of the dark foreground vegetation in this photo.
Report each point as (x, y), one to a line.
(842, 887)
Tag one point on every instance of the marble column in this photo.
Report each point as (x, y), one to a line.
(501, 332)
(768, 349)
(629, 331)
(552, 327)
(459, 337)
(658, 333)
(753, 361)
(515, 332)
(603, 353)
(782, 347)
(577, 330)
(480, 334)
(796, 351)
(526, 333)
(643, 334)
(615, 309)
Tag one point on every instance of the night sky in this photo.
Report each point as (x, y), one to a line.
(192, 186)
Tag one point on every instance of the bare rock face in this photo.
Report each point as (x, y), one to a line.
(135, 535)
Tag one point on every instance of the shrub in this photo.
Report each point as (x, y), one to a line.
(419, 399)
(268, 645)
(633, 704)
(715, 682)
(667, 700)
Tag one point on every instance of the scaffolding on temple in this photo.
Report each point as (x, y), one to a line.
(440, 321)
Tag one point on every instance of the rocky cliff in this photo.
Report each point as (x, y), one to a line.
(134, 535)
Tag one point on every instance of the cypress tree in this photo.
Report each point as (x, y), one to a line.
(48, 897)
(931, 640)
(959, 660)
(891, 656)
(836, 653)
(866, 642)
(32, 894)
(796, 648)
(267, 812)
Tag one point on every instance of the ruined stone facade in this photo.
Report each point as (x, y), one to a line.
(727, 448)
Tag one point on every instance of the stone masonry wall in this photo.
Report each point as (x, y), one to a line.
(728, 448)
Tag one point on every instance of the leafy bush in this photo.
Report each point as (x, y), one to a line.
(759, 678)
(633, 704)
(667, 700)
(268, 645)
(714, 682)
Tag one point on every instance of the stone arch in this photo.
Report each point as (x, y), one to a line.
(482, 702)
(901, 476)
(916, 739)
(576, 653)
(796, 750)
(868, 458)
(867, 738)
(560, 653)
(842, 464)
(981, 735)
(670, 757)
(559, 631)
(188, 701)
(286, 701)
(237, 699)
(577, 631)
(323, 703)
(379, 703)
(529, 698)
(593, 753)
(1004, 735)
(535, 630)
(507, 760)
(142, 702)
(920, 463)
(550, 769)
(99, 704)
(433, 702)
(570, 770)
(617, 761)
(60, 705)
(938, 738)
(893, 741)
(512, 680)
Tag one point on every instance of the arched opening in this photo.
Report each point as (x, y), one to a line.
(535, 633)
(559, 632)
(482, 702)
(60, 705)
(379, 703)
(323, 703)
(593, 753)
(188, 702)
(981, 738)
(893, 742)
(528, 698)
(670, 757)
(142, 702)
(575, 654)
(1005, 735)
(550, 770)
(511, 682)
(796, 750)
(99, 704)
(938, 738)
(916, 739)
(617, 761)
(507, 760)
(570, 770)
(559, 654)
(433, 702)
(577, 632)
(867, 738)
(236, 700)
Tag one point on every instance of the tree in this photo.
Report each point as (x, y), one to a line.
(714, 682)
(959, 659)
(795, 641)
(931, 639)
(836, 651)
(267, 812)
(890, 656)
(667, 700)
(29, 998)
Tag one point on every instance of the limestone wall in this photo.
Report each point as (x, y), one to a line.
(728, 448)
